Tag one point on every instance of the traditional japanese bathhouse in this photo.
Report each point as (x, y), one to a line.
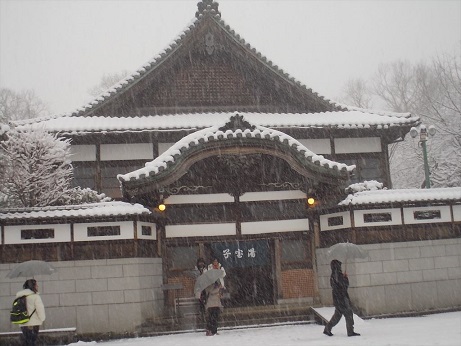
(233, 147)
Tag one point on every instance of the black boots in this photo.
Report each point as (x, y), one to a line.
(327, 332)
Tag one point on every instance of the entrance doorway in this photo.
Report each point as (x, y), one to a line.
(251, 286)
(248, 265)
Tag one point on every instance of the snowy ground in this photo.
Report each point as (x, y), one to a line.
(438, 329)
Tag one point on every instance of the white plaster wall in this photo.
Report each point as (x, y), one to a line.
(272, 195)
(153, 227)
(162, 147)
(200, 198)
(134, 151)
(400, 277)
(396, 217)
(457, 212)
(445, 214)
(84, 152)
(346, 221)
(261, 227)
(81, 231)
(202, 229)
(317, 145)
(95, 296)
(13, 234)
(358, 145)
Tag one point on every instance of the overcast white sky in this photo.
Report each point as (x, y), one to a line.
(61, 48)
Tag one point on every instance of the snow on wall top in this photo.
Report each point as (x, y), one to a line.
(82, 210)
(214, 133)
(345, 120)
(403, 195)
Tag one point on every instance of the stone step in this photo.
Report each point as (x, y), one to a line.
(230, 318)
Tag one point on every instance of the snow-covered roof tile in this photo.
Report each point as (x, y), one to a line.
(342, 120)
(83, 210)
(160, 57)
(404, 196)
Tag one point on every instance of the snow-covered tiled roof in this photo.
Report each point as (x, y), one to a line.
(158, 59)
(343, 120)
(214, 133)
(404, 196)
(82, 210)
(163, 55)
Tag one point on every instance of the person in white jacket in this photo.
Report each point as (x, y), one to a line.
(35, 309)
(216, 265)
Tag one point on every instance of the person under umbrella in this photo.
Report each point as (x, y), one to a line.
(201, 267)
(216, 265)
(35, 309)
(213, 307)
(339, 283)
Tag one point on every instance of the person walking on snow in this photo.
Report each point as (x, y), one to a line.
(35, 309)
(339, 283)
(213, 307)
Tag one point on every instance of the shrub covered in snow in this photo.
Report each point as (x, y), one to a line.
(79, 195)
(369, 185)
(36, 169)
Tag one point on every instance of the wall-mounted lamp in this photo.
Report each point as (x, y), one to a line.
(161, 207)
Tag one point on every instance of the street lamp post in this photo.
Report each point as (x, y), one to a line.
(423, 134)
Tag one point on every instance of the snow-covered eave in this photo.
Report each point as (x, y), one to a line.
(378, 112)
(187, 122)
(103, 209)
(404, 196)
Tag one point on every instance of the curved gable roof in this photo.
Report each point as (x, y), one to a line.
(236, 137)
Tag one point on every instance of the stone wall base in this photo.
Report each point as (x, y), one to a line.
(400, 277)
(95, 296)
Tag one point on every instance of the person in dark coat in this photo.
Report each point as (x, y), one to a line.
(201, 267)
(339, 283)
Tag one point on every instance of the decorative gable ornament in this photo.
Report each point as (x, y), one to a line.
(208, 6)
(237, 122)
